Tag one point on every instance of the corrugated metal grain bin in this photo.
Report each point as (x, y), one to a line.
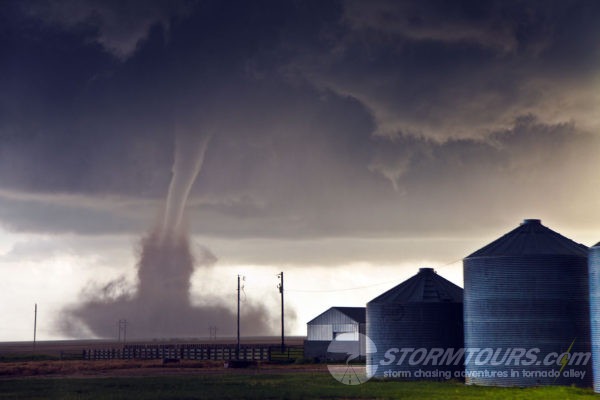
(421, 315)
(527, 299)
(594, 271)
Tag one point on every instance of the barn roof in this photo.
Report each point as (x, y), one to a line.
(357, 314)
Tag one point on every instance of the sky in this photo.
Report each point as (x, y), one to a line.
(350, 143)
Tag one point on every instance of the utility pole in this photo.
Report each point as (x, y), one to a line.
(34, 325)
(280, 286)
(238, 320)
(122, 324)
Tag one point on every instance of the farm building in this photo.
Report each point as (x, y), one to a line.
(424, 314)
(322, 329)
(529, 289)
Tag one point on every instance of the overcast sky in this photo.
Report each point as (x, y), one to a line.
(352, 141)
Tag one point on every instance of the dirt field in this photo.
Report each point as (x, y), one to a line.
(135, 368)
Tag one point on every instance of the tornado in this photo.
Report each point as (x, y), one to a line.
(159, 306)
(189, 157)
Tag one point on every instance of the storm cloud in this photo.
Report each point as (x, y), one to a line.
(333, 122)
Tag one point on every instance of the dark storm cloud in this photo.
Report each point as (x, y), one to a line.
(460, 69)
(24, 212)
(433, 188)
(118, 25)
(333, 118)
(500, 25)
(506, 176)
(106, 125)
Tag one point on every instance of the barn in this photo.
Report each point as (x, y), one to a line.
(325, 327)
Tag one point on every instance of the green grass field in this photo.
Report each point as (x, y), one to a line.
(263, 386)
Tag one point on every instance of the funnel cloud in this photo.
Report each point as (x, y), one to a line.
(160, 307)
(189, 156)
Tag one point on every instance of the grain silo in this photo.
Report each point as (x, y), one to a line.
(594, 271)
(527, 304)
(422, 314)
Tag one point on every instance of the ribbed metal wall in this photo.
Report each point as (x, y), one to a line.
(534, 296)
(421, 320)
(331, 322)
(328, 332)
(594, 271)
(319, 332)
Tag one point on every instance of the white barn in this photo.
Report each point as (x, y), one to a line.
(322, 329)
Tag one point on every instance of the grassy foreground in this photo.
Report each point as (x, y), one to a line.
(270, 386)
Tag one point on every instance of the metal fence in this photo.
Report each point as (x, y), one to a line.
(196, 352)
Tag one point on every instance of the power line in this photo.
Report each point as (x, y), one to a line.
(450, 263)
(361, 287)
(338, 290)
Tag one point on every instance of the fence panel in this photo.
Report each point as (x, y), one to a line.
(195, 352)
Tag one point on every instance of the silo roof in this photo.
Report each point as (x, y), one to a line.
(425, 287)
(531, 238)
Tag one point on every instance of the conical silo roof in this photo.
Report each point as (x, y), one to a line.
(531, 238)
(425, 287)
